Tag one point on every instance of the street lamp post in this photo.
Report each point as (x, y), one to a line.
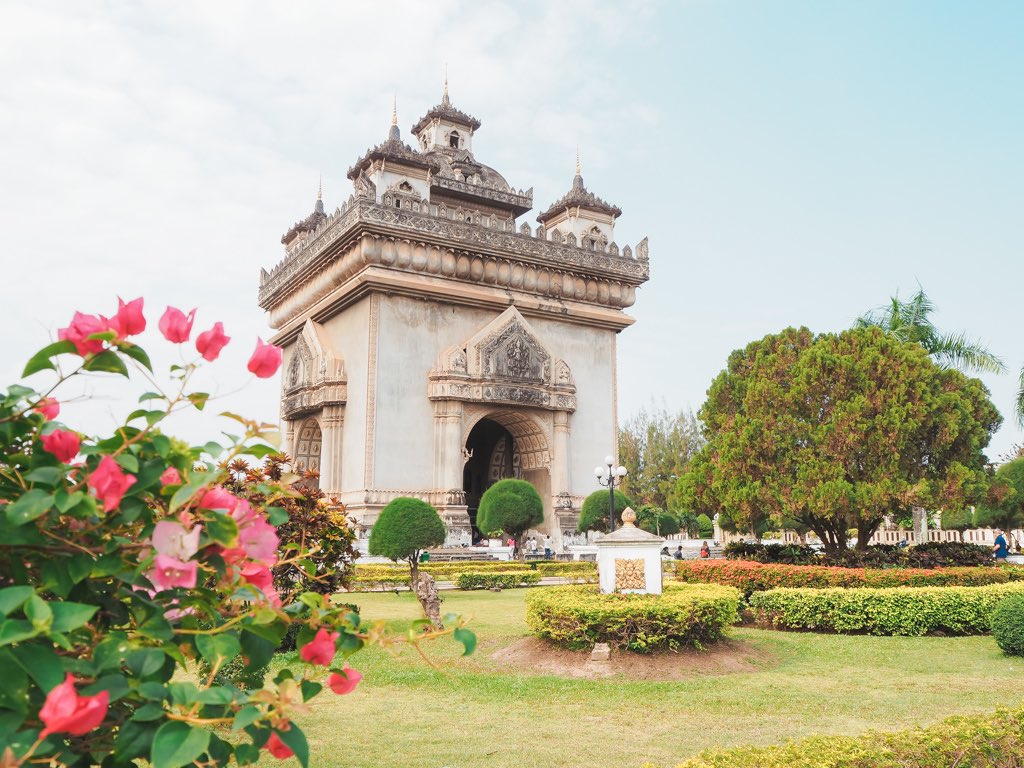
(610, 476)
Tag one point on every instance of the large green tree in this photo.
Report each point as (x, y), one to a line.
(910, 320)
(836, 431)
(596, 509)
(512, 506)
(1005, 506)
(655, 446)
(404, 528)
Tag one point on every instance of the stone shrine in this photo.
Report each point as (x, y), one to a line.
(435, 344)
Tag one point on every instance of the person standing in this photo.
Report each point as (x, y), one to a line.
(547, 547)
(999, 549)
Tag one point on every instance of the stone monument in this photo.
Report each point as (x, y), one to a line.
(433, 344)
(629, 559)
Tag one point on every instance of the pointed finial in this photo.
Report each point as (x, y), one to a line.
(320, 188)
(394, 134)
(577, 159)
(394, 110)
(444, 98)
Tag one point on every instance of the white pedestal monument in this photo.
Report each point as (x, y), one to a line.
(629, 560)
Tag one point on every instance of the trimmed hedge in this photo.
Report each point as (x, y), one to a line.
(756, 577)
(581, 571)
(932, 554)
(897, 611)
(1008, 625)
(576, 617)
(386, 576)
(979, 741)
(497, 579)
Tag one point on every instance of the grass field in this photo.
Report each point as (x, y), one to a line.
(481, 713)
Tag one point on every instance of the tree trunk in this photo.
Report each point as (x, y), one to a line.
(426, 593)
(920, 525)
(414, 571)
(521, 546)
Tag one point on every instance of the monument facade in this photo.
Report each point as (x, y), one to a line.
(435, 343)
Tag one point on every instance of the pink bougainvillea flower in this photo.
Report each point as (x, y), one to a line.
(170, 476)
(321, 649)
(218, 498)
(64, 711)
(175, 540)
(169, 573)
(278, 748)
(259, 541)
(62, 443)
(83, 326)
(175, 325)
(243, 513)
(345, 682)
(48, 408)
(211, 342)
(260, 577)
(109, 483)
(129, 320)
(265, 360)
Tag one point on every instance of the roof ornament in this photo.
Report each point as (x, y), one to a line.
(394, 133)
(444, 97)
(319, 206)
(577, 159)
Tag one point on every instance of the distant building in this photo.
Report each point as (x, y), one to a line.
(433, 345)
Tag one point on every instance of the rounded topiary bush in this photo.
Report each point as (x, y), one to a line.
(576, 617)
(510, 505)
(1008, 625)
(406, 527)
(594, 513)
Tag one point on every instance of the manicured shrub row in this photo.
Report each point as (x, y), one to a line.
(685, 615)
(894, 611)
(978, 741)
(933, 554)
(755, 577)
(497, 579)
(581, 571)
(440, 570)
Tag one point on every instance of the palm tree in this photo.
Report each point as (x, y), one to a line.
(1020, 400)
(911, 321)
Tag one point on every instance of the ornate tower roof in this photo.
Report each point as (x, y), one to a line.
(579, 196)
(394, 150)
(310, 223)
(445, 111)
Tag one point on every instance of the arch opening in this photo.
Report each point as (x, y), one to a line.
(308, 445)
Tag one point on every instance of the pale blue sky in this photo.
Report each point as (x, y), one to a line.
(791, 162)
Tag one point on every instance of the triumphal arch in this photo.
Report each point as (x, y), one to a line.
(435, 343)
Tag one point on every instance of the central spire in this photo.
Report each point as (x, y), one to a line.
(394, 133)
(444, 96)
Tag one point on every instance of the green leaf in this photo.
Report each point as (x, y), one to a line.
(222, 529)
(196, 483)
(198, 399)
(40, 662)
(277, 516)
(224, 646)
(135, 737)
(137, 353)
(150, 396)
(69, 616)
(217, 696)
(31, 505)
(258, 650)
(143, 662)
(108, 361)
(129, 462)
(39, 613)
(467, 638)
(310, 689)
(16, 631)
(65, 501)
(12, 598)
(295, 739)
(46, 475)
(178, 744)
(246, 716)
(41, 361)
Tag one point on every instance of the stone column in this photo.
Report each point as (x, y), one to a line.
(559, 474)
(290, 445)
(448, 461)
(332, 422)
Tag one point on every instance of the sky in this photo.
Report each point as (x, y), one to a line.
(793, 163)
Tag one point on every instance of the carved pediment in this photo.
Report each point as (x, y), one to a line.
(505, 361)
(315, 376)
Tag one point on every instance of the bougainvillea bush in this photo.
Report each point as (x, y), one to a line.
(125, 562)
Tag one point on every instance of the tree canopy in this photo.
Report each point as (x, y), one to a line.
(910, 321)
(1005, 506)
(405, 528)
(655, 447)
(657, 521)
(838, 430)
(512, 506)
(594, 514)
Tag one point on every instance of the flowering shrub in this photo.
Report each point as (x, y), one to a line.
(891, 611)
(755, 577)
(124, 561)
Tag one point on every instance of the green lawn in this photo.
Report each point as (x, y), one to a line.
(479, 713)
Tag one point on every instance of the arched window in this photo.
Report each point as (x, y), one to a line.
(453, 140)
(308, 443)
